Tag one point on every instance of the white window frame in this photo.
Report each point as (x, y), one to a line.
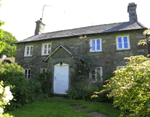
(27, 75)
(96, 45)
(95, 74)
(128, 41)
(43, 45)
(120, 67)
(25, 52)
(41, 70)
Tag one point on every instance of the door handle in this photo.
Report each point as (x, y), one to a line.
(55, 77)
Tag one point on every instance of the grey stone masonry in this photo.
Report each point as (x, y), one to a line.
(132, 12)
(108, 59)
(39, 27)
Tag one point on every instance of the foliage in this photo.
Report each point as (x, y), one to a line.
(84, 62)
(146, 32)
(81, 86)
(109, 75)
(145, 41)
(24, 91)
(142, 42)
(9, 71)
(9, 40)
(84, 90)
(60, 107)
(45, 79)
(130, 87)
(5, 97)
(2, 44)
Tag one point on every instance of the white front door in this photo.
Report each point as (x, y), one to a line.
(61, 78)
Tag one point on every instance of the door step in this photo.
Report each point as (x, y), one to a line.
(60, 95)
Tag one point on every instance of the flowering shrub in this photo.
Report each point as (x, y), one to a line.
(130, 87)
(5, 97)
(24, 91)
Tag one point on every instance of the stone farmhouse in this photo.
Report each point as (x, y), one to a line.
(53, 51)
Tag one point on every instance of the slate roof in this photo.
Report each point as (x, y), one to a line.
(105, 28)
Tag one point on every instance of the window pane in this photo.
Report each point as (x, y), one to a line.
(120, 45)
(45, 46)
(45, 49)
(49, 48)
(25, 74)
(98, 41)
(98, 44)
(49, 45)
(27, 50)
(31, 50)
(125, 45)
(125, 39)
(25, 71)
(28, 71)
(119, 40)
(49, 51)
(98, 73)
(93, 44)
(98, 47)
(45, 52)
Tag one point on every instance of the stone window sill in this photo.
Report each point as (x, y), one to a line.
(28, 56)
(124, 50)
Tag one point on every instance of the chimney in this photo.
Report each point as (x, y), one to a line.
(39, 27)
(132, 12)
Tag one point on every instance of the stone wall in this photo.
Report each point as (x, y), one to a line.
(109, 58)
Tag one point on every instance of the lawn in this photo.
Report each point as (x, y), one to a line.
(60, 107)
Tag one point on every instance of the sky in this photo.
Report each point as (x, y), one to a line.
(20, 15)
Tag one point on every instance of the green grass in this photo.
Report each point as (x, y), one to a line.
(62, 108)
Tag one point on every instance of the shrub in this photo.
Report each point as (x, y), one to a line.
(9, 71)
(24, 91)
(45, 79)
(84, 90)
(130, 87)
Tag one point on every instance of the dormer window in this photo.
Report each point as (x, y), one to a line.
(46, 48)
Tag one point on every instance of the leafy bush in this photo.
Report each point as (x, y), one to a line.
(84, 90)
(130, 87)
(8, 71)
(45, 79)
(24, 91)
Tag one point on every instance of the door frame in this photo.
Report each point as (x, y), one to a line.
(60, 65)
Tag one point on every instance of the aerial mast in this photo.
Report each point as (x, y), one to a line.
(43, 11)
